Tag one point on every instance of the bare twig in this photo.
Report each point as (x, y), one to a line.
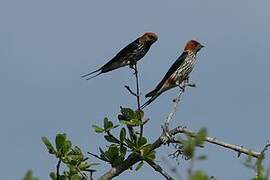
(130, 91)
(138, 95)
(96, 156)
(58, 169)
(81, 173)
(137, 87)
(265, 148)
(172, 113)
(172, 168)
(159, 169)
(238, 149)
(134, 158)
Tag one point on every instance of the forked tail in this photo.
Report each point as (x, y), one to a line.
(83, 76)
(153, 94)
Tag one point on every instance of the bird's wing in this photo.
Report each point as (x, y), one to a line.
(172, 69)
(123, 53)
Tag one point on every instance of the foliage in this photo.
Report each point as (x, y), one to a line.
(120, 146)
(76, 163)
(29, 176)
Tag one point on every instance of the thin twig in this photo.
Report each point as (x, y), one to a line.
(130, 91)
(172, 168)
(138, 95)
(96, 156)
(238, 149)
(58, 169)
(81, 173)
(137, 87)
(172, 113)
(133, 158)
(159, 169)
(265, 148)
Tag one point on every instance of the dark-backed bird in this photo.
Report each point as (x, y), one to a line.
(129, 55)
(178, 72)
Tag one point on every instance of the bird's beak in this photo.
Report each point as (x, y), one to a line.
(202, 46)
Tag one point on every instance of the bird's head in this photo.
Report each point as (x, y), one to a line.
(148, 37)
(193, 46)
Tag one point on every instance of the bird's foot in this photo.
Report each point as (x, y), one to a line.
(132, 66)
(191, 85)
(186, 83)
(166, 138)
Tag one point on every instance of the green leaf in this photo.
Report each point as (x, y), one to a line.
(98, 129)
(136, 122)
(112, 152)
(63, 177)
(48, 144)
(122, 134)
(198, 175)
(75, 177)
(202, 157)
(84, 165)
(189, 147)
(110, 139)
(107, 124)
(130, 143)
(139, 114)
(126, 122)
(151, 156)
(67, 146)
(139, 166)
(128, 113)
(201, 135)
(102, 155)
(29, 176)
(123, 150)
(142, 141)
(60, 141)
(132, 122)
(53, 175)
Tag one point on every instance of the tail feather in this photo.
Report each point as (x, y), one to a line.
(83, 76)
(94, 76)
(152, 93)
(149, 101)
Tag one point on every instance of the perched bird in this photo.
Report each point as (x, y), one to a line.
(128, 55)
(178, 72)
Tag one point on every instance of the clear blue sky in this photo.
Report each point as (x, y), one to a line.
(46, 45)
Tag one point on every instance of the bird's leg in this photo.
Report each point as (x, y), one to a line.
(182, 87)
(187, 83)
(166, 138)
(132, 66)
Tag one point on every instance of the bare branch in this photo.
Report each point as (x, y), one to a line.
(115, 171)
(172, 113)
(159, 169)
(172, 168)
(58, 169)
(130, 91)
(238, 149)
(265, 148)
(134, 158)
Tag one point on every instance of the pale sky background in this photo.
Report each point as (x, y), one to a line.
(46, 45)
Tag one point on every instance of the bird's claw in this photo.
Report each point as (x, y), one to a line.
(166, 138)
(132, 66)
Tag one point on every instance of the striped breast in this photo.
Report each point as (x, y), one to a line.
(185, 69)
